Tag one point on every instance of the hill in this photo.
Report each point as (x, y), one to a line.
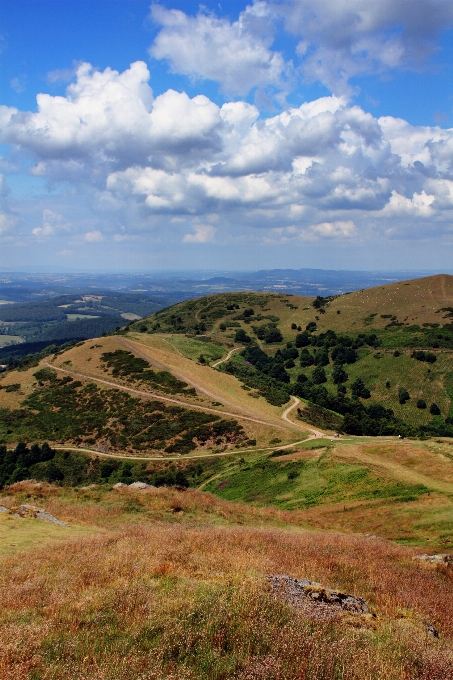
(399, 337)
(230, 416)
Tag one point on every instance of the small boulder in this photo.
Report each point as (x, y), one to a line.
(119, 485)
(142, 486)
(316, 600)
(440, 558)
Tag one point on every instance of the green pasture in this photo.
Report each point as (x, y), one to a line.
(294, 484)
(6, 340)
(192, 348)
(77, 317)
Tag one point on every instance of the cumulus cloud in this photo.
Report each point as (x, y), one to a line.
(419, 205)
(93, 236)
(203, 233)
(339, 40)
(110, 119)
(155, 161)
(335, 229)
(235, 54)
(52, 223)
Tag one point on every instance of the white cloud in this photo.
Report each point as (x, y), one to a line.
(18, 84)
(419, 205)
(235, 54)
(203, 234)
(93, 236)
(343, 38)
(335, 229)
(152, 162)
(52, 223)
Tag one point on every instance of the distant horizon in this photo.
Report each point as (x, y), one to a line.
(144, 272)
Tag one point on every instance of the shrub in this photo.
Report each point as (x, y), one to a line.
(434, 409)
(339, 375)
(358, 389)
(306, 359)
(241, 336)
(319, 375)
(403, 395)
(421, 403)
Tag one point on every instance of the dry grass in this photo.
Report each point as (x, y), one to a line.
(412, 463)
(157, 598)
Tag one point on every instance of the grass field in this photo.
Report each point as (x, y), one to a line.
(76, 317)
(18, 534)
(6, 340)
(193, 348)
(172, 584)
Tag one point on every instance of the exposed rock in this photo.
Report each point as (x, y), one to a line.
(50, 518)
(119, 485)
(142, 486)
(316, 600)
(432, 631)
(33, 512)
(441, 558)
(3, 508)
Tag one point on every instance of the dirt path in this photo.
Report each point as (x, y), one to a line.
(222, 361)
(181, 457)
(315, 433)
(175, 348)
(159, 397)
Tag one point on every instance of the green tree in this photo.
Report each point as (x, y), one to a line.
(241, 336)
(339, 375)
(319, 375)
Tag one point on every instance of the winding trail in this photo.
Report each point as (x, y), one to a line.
(181, 457)
(134, 347)
(222, 361)
(291, 407)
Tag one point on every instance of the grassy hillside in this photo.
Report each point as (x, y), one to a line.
(104, 396)
(402, 336)
(171, 584)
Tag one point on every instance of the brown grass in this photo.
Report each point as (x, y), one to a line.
(170, 595)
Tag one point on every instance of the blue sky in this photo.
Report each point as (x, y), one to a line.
(233, 135)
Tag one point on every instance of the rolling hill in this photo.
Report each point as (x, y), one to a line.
(400, 338)
(217, 407)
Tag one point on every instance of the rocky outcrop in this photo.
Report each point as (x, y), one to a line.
(441, 558)
(142, 486)
(316, 600)
(34, 512)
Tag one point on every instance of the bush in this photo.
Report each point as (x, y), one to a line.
(429, 357)
(339, 375)
(358, 389)
(434, 409)
(319, 376)
(403, 395)
(306, 359)
(421, 403)
(241, 336)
